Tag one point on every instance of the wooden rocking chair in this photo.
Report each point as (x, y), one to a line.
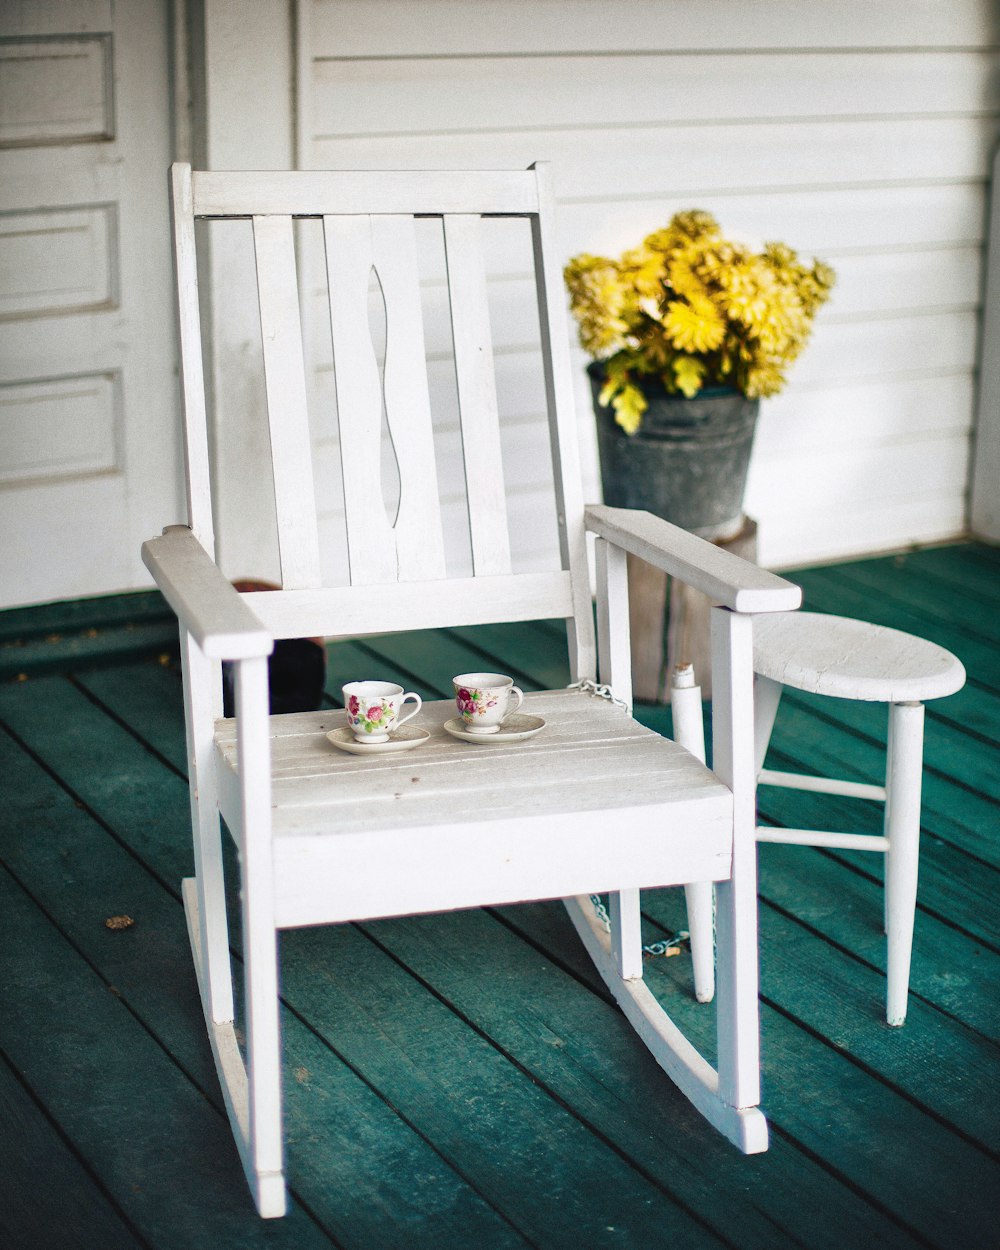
(595, 803)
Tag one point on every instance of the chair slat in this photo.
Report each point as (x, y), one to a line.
(477, 396)
(199, 489)
(339, 611)
(219, 193)
(562, 425)
(418, 533)
(284, 372)
(413, 548)
(371, 546)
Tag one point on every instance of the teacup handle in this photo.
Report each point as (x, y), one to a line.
(409, 715)
(520, 699)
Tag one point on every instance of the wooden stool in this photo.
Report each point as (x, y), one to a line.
(850, 659)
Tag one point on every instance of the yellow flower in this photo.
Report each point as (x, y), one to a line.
(691, 308)
(694, 327)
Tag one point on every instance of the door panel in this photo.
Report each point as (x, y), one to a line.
(88, 427)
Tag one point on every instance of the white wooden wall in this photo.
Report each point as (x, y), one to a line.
(858, 132)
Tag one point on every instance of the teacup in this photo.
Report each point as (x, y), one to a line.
(373, 708)
(483, 700)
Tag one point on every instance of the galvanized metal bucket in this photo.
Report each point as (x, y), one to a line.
(688, 462)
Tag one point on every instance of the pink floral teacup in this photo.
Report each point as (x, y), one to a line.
(373, 708)
(483, 700)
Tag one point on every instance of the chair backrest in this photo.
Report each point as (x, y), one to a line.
(397, 569)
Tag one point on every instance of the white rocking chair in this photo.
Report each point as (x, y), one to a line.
(595, 803)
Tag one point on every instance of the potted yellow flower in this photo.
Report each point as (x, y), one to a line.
(688, 331)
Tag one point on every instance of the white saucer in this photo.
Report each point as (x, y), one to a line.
(403, 739)
(515, 728)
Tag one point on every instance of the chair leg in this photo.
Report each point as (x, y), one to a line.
(202, 703)
(263, 1160)
(904, 768)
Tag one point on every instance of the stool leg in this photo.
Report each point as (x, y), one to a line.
(904, 769)
(766, 697)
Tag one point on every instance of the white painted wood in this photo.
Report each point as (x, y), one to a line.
(337, 612)
(89, 456)
(851, 659)
(349, 262)
(268, 1190)
(766, 697)
(814, 837)
(202, 707)
(242, 118)
(699, 896)
(260, 939)
(904, 769)
(614, 669)
(686, 1067)
(725, 578)
(352, 96)
(196, 454)
(408, 546)
(820, 785)
(626, 933)
(447, 27)
(736, 898)
(288, 421)
(562, 425)
(590, 753)
(477, 399)
(207, 605)
(614, 658)
(984, 509)
(856, 660)
(417, 530)
(355, 192)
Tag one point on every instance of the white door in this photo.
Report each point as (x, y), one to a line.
(88, 431)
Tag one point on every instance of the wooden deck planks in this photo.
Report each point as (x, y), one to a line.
(460, 1079)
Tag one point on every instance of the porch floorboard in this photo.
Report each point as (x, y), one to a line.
(463, 1080)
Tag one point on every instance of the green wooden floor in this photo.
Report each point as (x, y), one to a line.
(462, 1080)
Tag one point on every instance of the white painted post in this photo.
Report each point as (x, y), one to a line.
(904, 768)
(260, 939)
(614, 656)
(689, 732)
(614, 661)
(736, 923)
(202, 705)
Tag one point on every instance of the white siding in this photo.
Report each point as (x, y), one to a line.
(857, 132)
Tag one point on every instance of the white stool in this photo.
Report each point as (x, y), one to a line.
(850, 659)
(845, 659)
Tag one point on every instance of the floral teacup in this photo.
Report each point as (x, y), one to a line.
(483, 700)
(373, 708)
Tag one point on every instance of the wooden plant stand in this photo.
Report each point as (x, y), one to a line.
(670, 624)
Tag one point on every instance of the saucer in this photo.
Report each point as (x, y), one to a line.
(402, 739)
(515, 728)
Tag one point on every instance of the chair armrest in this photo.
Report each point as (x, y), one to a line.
(726, 579)
(207, 605)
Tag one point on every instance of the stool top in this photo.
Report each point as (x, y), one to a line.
(850, 659)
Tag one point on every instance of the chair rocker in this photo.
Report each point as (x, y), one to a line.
(596, 803)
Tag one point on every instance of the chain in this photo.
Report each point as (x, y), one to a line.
(602, 692)
(666, 947)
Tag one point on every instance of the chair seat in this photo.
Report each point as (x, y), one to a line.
(849, 659)
(457, 824)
